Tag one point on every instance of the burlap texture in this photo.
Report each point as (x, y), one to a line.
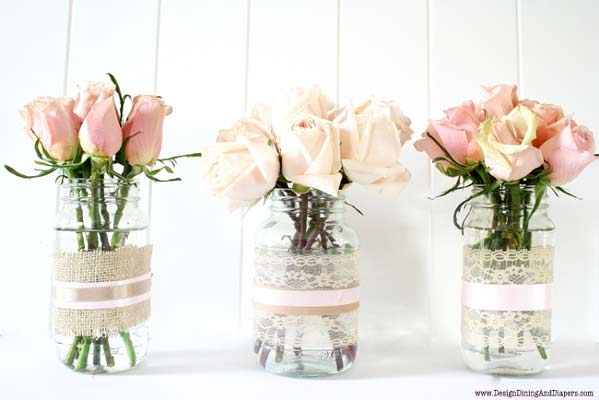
(101, 266)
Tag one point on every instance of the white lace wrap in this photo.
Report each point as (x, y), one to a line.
(320, 271)
(508, 330)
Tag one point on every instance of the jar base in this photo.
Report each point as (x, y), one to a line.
(514, 363)
(104, 354)
(307, 363)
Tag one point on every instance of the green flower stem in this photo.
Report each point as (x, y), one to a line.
(119, 238)
(96, 201)
(92, 237)
(78, 216)
(542, 352)
(107, 353)
(105, 218)
(129, 346)
(70, 358)
(97, 352)
(84, 353)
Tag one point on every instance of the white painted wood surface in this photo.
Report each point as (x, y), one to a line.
(210, 60)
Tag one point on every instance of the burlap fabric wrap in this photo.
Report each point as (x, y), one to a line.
(102, 267)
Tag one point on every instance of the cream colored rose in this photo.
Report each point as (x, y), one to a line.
(310, 153)
(371, 141)
(255, 125)
(240, 172)
(300, 101)
(506, 142)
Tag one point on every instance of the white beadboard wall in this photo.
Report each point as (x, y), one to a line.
(212, 60)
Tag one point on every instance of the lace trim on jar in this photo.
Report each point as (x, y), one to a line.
(311, 271)
(285, 270)
(306, 331)
(519, 267)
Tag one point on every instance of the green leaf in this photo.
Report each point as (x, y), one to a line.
(540, 189)
(564, 191)
(117, 89)
(300, 189)
(151, 175)
(20, 175)
(355, 208)
(190, 155)
(488, 189)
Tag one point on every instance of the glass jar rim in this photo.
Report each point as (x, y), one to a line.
(113, 181)
(280, 193)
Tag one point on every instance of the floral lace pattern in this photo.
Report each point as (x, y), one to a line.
(512, 330)
(519, 267)
(306, 271)
(507, 330)
(306, 331)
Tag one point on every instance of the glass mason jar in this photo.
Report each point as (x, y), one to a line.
(101, 274)
(306, 286)
(507, 281)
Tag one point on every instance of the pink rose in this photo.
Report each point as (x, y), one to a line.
(456, 133)
(506, 142)
(101, 135)
(145, 122)
(310, 153)
(547, 114)
(54, 123)
(89, 94)
(256, 126)
(371, 142)
(499, 99)
(568, 152)
(240, 172)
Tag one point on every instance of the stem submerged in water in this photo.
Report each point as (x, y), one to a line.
(130, 348)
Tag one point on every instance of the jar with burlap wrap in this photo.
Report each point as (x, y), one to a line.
(101, 274)
(306, 286)
(507, 282)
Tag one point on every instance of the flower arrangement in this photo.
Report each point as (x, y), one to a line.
(302, 152)
(304, 141)
(511, 152)
(98, 154)
(502, 141)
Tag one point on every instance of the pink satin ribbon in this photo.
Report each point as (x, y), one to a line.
(99, 295)
(506, 297)
(306, 298)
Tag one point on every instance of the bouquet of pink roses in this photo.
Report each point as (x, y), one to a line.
(101, 289)
(510, 152)
(502, 141)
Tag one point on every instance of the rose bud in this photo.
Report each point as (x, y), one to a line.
(54, 123)
(144, 127)
(89, 94)
(100, 135)
(568, 152)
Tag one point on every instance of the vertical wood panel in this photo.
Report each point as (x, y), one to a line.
(560, 60)
(34, 41)
(383, 48)
(114, 36)
(290, 44)
(201, 71)
(471, 44)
